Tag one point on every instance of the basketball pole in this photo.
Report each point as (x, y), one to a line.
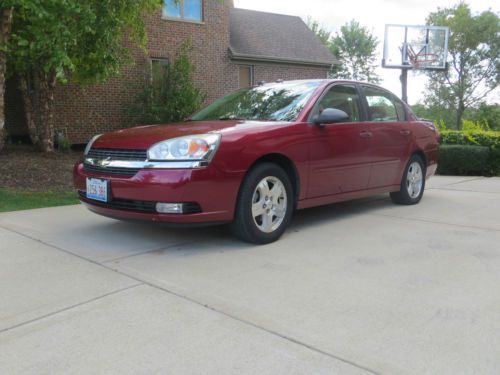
(404, 72)
(404, 84)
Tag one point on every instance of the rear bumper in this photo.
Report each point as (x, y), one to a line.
(213, 190)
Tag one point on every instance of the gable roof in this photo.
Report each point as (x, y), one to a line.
(261, 36)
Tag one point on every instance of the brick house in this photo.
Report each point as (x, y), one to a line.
(232, 48)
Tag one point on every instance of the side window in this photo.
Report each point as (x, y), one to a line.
(381, 106)
(343, 97)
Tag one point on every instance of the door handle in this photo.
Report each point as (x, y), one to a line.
(366, 134)
(405, 132)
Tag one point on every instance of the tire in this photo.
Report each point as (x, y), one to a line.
(262, 215)
(412, 183)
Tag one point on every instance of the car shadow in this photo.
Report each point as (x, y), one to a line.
(111, 240)
(312, 217)
(302, 220)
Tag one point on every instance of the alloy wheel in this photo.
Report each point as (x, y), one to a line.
(414, 180)
(269, 204)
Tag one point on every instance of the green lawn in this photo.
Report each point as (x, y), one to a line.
(15, 200)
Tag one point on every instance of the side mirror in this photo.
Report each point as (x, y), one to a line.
(330, 116)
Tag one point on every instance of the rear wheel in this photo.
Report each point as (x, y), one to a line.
(412, 183)
(264, 206)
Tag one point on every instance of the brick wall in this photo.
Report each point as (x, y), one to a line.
(81, 113)
(273, 72)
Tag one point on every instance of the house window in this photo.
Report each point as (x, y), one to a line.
(158, 71)
(190, 10)
(246, 76)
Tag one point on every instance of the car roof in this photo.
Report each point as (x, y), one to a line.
(320, 82)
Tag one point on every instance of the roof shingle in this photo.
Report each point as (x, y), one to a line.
(273, 37)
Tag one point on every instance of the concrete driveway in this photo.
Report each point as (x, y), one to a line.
(352, 288)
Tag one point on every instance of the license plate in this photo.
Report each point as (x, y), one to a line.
(98, 189)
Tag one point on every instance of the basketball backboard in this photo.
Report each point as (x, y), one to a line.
(415, 47)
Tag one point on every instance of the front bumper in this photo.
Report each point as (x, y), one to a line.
(213, 190)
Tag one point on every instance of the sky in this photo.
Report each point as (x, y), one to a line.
(374, 14)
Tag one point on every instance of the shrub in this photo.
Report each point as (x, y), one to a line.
(463, 160)
(472, 126)
(490, 139)
(173, 96)
(63, 143)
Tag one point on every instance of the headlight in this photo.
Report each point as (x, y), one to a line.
(193, 147)
(91, 142)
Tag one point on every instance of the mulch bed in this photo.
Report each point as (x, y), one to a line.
(22, 168)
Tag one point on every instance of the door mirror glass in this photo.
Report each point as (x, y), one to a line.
(331, 116)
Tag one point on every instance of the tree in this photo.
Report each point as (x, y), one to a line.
(323, 34)
(172, 95)
(474, 61)
(488, 114)
(56, 40)
(5, 30)
(355, 48)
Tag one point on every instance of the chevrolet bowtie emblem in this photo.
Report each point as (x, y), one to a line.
(104, 162)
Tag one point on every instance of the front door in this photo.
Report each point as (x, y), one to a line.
(339, 153)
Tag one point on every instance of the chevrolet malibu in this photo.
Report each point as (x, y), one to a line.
(256, 155)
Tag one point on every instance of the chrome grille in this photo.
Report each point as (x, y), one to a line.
(111, 171)
(118, 154)
(115, 154)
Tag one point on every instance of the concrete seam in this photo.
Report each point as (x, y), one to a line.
(70, 307)
(436, 222)
(464, 181)
(464, 190)
(249, 323)
(163, 248)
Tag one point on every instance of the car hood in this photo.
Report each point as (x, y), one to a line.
(143, 137)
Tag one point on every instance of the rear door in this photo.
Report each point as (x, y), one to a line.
(339, 153)
(392, 135)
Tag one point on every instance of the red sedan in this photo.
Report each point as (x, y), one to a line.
(254, 156)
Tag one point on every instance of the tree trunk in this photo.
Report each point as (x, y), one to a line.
(37, 89)
(460, 113)
(5, 28)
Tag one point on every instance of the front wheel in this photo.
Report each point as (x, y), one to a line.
(264, 206)
(412, 183)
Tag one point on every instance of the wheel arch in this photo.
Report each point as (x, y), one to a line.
(422, 155)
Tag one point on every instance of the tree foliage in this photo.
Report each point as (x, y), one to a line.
(171, 96)
(323, 34)
(54, 40)
(474, 60)
(355, 48)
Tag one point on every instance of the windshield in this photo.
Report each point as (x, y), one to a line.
(275, 102)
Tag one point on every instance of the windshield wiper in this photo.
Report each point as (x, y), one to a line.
(223, 118)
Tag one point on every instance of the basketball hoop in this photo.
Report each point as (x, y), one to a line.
(415, 47)
(423, 60)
